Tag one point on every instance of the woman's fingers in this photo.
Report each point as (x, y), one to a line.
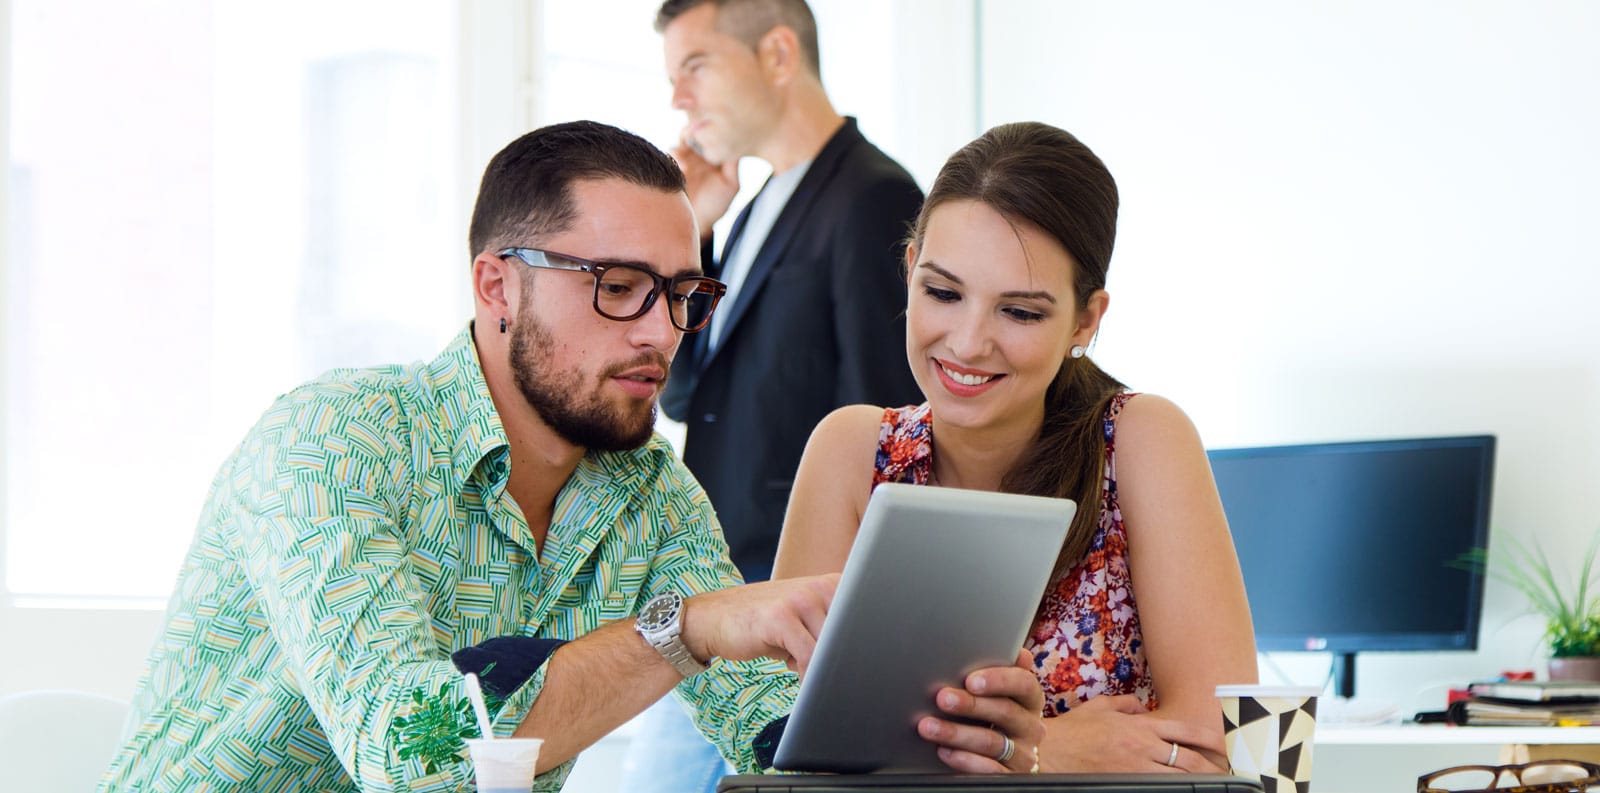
(967, 748)
(1186, 758)
(1011, 740)
(1006, 697)
(1186, 734)
(1191, 760)
(969, 763)
(1189, 742)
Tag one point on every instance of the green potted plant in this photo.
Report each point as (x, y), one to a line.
(1571, 610)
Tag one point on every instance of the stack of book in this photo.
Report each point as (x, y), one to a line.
(1528, 703)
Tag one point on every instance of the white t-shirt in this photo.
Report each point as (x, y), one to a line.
(764, 211)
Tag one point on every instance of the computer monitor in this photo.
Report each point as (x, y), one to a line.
(1349, 546)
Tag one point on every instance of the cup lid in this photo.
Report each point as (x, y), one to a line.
(1267, 691)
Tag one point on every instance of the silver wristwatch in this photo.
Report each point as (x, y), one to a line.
(660, 623)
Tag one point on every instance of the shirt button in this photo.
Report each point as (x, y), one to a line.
(709, 418)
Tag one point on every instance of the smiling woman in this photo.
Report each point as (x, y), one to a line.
(1007, 266)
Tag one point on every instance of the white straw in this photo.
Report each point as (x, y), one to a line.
(475, 693)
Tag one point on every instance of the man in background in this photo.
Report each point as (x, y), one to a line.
(813, 319)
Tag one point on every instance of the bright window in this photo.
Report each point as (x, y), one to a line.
(210, 202)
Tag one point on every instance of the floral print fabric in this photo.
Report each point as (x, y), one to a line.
(1086, 640)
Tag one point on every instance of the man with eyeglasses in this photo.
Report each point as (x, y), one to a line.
(503, 509)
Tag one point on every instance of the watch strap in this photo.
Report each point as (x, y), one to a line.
(673, 649)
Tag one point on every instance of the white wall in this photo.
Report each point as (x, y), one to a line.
(904, 67)
(1349, 221)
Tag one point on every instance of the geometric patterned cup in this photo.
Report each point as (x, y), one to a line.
(1267, 732)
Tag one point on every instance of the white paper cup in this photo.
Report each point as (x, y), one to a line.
(504, 765)
(1268, 731)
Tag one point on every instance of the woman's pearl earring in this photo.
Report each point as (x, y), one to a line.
(1078, 350)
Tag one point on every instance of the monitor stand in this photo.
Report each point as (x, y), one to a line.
(1344, 674)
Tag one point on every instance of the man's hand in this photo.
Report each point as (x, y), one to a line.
(711, 186)
(772, 619)
(1007, 697)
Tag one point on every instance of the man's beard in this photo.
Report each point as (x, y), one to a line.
(589, 422)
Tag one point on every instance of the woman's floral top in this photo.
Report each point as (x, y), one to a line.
(1086, 640)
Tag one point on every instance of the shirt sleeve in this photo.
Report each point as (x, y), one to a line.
(733, 701)
(316, 506)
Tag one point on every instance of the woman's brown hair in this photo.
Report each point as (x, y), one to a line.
(1037, 174)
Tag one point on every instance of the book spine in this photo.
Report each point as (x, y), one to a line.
(1517, 693)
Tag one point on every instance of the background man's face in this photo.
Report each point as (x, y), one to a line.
(720, 85)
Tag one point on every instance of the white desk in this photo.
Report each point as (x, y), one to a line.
(1447, 735)
(1389, 758)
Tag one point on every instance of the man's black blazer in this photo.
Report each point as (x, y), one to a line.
(819, 323)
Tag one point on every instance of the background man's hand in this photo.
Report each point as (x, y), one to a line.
(772, 619)
(711, 186)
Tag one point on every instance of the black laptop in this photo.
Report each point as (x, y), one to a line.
(996, 783)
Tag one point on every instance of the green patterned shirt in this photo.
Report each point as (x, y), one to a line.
(361, 533)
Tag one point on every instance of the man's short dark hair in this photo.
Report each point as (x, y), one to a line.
(527, 188)
(749, 20)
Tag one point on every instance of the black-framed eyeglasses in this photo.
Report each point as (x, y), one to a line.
(624, 291)
(1539, 776)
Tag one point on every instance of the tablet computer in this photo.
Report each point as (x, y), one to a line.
(939, 582)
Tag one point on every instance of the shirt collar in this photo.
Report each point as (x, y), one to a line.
(465, 408)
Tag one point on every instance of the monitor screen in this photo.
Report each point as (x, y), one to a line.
(1348, 546)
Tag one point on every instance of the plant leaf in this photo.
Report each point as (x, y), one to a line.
(1572, 624)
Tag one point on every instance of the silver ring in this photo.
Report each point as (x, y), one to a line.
(1007, 750)
(1172, 759)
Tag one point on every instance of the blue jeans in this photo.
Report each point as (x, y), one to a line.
(668, 755)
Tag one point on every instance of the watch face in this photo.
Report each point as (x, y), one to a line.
(658, 613)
